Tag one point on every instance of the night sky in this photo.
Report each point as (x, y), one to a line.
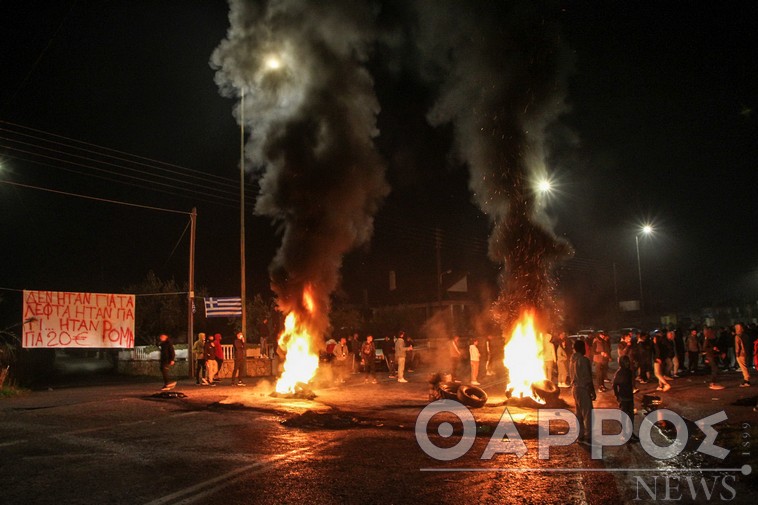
(659, 128)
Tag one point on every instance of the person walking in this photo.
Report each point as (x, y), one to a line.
(473, 351)
(580, 373)
(660, 353)
(218, 348)
(341, 356)
(167, 358)
(711, 350)
(197, 353)
(741, 351)
(400, 355)
(211, 365)
(644, 358)
(368, 358)
(240, 359)
(623, 388)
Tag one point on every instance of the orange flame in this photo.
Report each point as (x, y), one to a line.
(301, 362)
(523, 358)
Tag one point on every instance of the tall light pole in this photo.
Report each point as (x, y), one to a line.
(243, 326)
(646, 230)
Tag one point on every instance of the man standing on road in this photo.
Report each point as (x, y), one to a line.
(198, 354)
(219, 356)
(473, 352)
(166, 360)
(580, 377)
(741, 351)
(239, 360)
(455, 355)
(368, 358)
(711, 350)
(341, 355)
(601, 357)
(211, 366)
(400, 357)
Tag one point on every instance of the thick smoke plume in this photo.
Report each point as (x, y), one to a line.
(503, 76)
(311, 108)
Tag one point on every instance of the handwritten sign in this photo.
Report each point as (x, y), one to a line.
(58, 319)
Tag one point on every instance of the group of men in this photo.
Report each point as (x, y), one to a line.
(356, 355)
(208, 353)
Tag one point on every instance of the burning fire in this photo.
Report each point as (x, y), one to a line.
(523, 358)
(301, 362)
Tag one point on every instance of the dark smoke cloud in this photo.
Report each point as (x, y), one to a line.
(312, 121)
(503, 70)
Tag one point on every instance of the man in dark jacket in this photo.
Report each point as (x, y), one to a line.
(601, 357)
(166, 360)
(580, 378)
(239, 360)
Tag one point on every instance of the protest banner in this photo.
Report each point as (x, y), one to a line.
(58, 319)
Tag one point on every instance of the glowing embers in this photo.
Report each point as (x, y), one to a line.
(523, 359)
(301, 361)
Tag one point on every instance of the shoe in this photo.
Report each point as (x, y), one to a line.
(240, 383)
(715, 386)
(205, 381)
(659, 388)
(666, 387)
(745, 385)
(213, 384)
(393, 376)
(643, 381)
(410, 370)
(475, 383)
(165, 388)
(403, 380)
(635, 391)
(172, 385)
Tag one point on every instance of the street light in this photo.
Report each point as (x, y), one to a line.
(646, 230)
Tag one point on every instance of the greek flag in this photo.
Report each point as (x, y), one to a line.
(230, 306)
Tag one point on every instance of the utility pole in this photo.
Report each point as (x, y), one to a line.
(437, 249)
(191, 293)
(243, 290)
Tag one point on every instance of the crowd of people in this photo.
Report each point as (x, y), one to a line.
(663, 355)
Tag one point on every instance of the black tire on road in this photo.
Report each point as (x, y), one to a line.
(472, 396)
(449, 390)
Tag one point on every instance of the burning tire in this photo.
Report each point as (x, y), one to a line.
(449, 390)
(547, 390)
(472, 396)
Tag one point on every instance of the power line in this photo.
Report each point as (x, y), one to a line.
(86, 197)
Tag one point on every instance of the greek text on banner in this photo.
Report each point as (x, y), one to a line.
(56, 319)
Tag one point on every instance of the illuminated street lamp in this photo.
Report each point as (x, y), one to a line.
(544, 186)
(645, 231)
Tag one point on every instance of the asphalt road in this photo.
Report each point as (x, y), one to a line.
(355, 444)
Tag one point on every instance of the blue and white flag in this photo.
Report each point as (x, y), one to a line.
(230, 306)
